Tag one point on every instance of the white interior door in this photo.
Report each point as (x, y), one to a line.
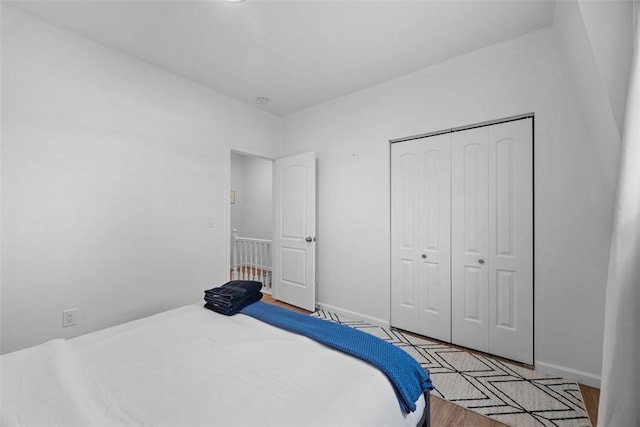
(294, 236)
(420, 243)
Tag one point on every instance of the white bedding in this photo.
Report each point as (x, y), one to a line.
(192, 367)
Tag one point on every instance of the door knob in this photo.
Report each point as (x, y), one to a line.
(424, 256)
(480, 261)
(309, 239)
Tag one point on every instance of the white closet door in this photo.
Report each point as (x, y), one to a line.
(511, 243)
(420, 238)
(492, 239)
(462, 238)
(470, 239)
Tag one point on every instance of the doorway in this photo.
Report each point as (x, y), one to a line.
(251, 218)
(272, 217)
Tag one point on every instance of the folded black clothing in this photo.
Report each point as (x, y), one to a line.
(220, 301)
(232, 303)
(234, 308)
(236, 287)
(249, 285)
(227, 292)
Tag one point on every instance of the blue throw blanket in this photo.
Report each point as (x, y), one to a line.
(409, 379)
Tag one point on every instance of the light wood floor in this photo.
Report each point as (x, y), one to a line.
(591, 397)
(445, 413)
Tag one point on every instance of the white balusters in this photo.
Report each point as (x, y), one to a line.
(261, 262)
(251, 260)
(234, 254)
(254, 259)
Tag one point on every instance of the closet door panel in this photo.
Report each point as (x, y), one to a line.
(405, 174)
(420, 236)
(469, 238)
(511, 245)
(434, 232)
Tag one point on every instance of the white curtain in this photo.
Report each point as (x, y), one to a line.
(620, 388)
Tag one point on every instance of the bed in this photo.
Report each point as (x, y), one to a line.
(194, 367)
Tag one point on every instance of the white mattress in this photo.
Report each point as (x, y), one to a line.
(192, 367)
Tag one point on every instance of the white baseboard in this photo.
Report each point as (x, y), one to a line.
(353, 315)
(582, 377)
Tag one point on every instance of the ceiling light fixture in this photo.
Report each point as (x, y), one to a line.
(262, 100)
(234, 1)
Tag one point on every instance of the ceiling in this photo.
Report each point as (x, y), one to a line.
(296, 53)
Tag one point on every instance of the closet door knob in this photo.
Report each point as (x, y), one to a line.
(480, 261)
(424, 256)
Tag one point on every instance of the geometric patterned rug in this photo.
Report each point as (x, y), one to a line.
(509, 393)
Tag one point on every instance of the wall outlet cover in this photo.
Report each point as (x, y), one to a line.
(69, 317)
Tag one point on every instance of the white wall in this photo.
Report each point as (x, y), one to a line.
(237, 184)
(251, 179)
(111, 169)
(596, 40)
(609, 29)
(572, 222)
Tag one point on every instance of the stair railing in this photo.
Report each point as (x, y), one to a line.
(251, 260)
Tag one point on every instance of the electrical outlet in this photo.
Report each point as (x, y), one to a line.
(69, 317)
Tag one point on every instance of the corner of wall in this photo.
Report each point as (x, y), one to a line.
(353, 315)
(586, 82)
(565, 372)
